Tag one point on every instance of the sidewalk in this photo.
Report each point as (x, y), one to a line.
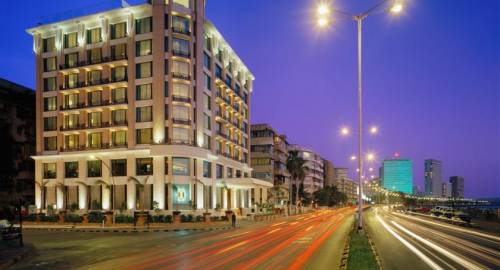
(11, 253)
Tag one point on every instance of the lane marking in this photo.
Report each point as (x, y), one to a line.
(277, 224)
(309, 228)
(417, 252)
(273, 231)
(438, 248)
(452, 227)
(232, 247)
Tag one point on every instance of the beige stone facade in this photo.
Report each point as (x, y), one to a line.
(139, 106)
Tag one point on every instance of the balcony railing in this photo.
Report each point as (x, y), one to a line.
(97, 104)
(181, 99)
(99, 125)
(102, 60)
(181, 76)
(181, 121)
(93, 83)
(180, 53)
(181, 30)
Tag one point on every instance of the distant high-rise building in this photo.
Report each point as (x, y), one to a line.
(433, 179)
(398, 175)
(315, 176)
(446, 190)
(341, 173)
(457, 186)
(329, 173)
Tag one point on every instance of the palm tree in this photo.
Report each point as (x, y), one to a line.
(295, 166)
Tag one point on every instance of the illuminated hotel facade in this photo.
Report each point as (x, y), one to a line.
(142, 107)
(397, 175)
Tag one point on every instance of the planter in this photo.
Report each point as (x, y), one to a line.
(229, 214)
(38, 218)
(141, 218)
(177, 217)
(85, 219)
(206, 217)
(109, 218)
(61, 215)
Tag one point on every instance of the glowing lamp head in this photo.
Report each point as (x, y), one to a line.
(322, 22)
(396, 8)
(353, 157)
(374, 130)
(344, 131)
(323, 9)
(370, 156)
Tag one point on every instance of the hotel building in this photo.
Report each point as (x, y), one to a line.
(269, 151)
(398, 175)
(142, 107)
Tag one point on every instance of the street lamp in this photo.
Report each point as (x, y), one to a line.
(323, 14)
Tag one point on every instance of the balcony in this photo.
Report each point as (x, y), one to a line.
(99, 61)
(223, 135)
(97, 104)
(93, 83)
(178, 121)
(182, 76)
(181, 53)
(96, 147)
(181, 30)
(99, 125)
(176, 142)
(181, 99)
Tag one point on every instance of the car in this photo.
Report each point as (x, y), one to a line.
(463, 217)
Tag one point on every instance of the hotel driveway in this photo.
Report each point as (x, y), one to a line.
(310, 241)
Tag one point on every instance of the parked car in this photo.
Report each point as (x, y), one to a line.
(9, 231)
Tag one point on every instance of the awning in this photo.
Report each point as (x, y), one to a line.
(244, 183)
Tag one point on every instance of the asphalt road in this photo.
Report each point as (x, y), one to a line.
(405, 241)
(309, 241)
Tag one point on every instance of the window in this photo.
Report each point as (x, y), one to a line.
(206, 60)
(143, 92)
(71, 60)
(180, 135)
(218, 71)
(229, 172)
(184, 3)
(119, 116)
(50, 123)
(180, 70)
(50, 104)
(206, 121)
(166, 165)
(180, 47)
(119, 51)
(49, 171)
(218, 171)
(180, 112)
(71, 141)
(50, 143)
(71, 169)
(180, 166)
(238, 173)
(71, 121)
(94, 168)
(144, 166)
(118, 30)
(166, 44)
(49, 64)
(94, 55)
(49, 44)
(143, 70)
(143, 48)
(94, 140)
(144, 136)
(207, 169)
(119, 95)
(71, 80)
(119, 138)
(166, 89)
(207, 142)
(94, 119)
(260, 161)
(94, 98)
(143, 114)
(119, 167)
(144, 25)
(49, 84)
(70, 101)
(181, 90)
(206, 43)
(94, 77)
(207, 81)
(119, 74)
(94, 35)
(71, 40)
(229, 80)
(180, 24)
(207, 104)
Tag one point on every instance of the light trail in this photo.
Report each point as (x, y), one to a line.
(273, 231)
(232, 247)
(277, 224)
(411, 247)
(452, 256)
(309, 228)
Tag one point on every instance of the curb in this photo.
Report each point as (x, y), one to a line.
(345, 255)
(116, 230)
(374, 250)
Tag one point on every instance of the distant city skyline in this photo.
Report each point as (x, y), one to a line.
(422, 80)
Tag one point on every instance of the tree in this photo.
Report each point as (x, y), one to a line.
(296, 167)
(329, 196)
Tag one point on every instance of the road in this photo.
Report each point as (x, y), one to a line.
(309, 241)
(416, 242)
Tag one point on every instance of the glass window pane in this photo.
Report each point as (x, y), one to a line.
(180, 166)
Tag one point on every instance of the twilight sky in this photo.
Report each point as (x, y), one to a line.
(431, 77)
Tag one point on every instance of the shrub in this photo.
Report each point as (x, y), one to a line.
(199, 219)
(124, 219)
(96, 217)
(49, 218)
(73, 218)
(30, 217)
(157, 219)
(168, 219)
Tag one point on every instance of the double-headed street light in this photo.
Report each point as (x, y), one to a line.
(324, 13)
